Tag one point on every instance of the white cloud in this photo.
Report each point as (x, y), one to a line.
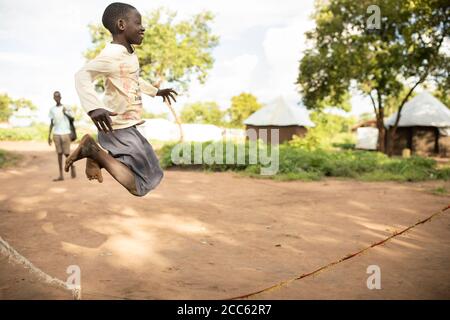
(36, 77)
(283, 51)
(228, 78)
(235, 16)
(24, 59)
(361, 105)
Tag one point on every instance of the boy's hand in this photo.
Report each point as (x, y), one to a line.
(49, 141)
(101, 119)
(167, 94)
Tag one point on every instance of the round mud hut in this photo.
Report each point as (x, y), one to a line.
(424, 127)
(289, 120)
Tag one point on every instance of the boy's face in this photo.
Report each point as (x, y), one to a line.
(132, 27)
(57, 97)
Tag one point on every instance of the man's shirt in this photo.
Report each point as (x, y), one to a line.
(61, 124)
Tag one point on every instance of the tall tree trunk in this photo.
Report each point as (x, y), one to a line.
(381, 131)
(391, 135)
(393, 129)
(177, 120)
(379, 113)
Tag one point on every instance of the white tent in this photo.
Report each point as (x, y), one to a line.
(201, 132)
(165, 130)
(367, 138)
(23, 117)
(279, 113)
(422, 110)
(159, 129)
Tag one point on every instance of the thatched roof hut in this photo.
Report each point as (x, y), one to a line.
(289, 120)
(424, 127)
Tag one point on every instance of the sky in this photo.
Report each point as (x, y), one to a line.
(261, 43)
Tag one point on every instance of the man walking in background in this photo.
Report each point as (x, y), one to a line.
(59, 116)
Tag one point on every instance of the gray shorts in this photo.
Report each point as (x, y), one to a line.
(132, 149)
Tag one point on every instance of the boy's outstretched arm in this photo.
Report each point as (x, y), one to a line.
(150, 90)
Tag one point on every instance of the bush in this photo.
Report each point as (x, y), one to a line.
(33, 133)
(443, 174)
(300, 163)
(165, 153)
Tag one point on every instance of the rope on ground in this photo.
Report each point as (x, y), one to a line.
(16, 257)
(281, 284)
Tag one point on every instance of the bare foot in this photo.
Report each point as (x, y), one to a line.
(93, 170)
(58, 179)
(86, 149)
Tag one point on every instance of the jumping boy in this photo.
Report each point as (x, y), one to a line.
(130, 158)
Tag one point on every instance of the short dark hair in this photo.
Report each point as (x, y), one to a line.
(114, 12)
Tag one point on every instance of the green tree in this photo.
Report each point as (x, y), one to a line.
(443, 96)
(22, 103)
(402, 52)
(5, 107)
(202, 112)
(392, 102)
(8, 105)
(328, 129)
(242, 106)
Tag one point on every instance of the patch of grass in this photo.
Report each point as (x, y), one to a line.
(344, 141)
(440, 191)
(380, 175)
(8, 159)
(254, 172)
(38, 132)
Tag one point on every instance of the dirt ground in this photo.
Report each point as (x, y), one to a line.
(218, 235)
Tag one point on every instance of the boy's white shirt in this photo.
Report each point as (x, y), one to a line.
(61, 124)
(123, 85)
